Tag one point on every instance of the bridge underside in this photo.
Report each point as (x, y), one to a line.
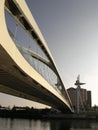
(15, 82)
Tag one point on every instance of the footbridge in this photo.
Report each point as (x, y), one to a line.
(27, 68)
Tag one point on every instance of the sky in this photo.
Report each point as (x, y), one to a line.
(70, 28)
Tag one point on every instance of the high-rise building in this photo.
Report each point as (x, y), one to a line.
(72, 94)
(85, 97)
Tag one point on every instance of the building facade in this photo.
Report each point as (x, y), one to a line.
(84, 98)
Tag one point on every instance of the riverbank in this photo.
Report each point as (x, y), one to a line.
(74, 116)
(26, 113)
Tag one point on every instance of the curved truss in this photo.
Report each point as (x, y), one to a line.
(19, 72)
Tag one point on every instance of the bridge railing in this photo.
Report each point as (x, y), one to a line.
(42, 68)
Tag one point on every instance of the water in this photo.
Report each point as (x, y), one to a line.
(24, 124)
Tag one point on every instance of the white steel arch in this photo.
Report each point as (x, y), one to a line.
(18, 66)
